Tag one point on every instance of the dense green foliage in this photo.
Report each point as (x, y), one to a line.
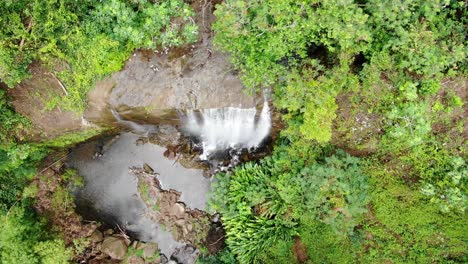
(24, 236)
(24, 239)
(377, 78)
(82, 41)
(17, 160)
(264, 203)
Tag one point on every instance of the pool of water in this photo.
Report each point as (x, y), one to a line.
(111, 187)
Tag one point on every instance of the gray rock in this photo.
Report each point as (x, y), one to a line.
(190, 81)
(115, 247)
(185, 255)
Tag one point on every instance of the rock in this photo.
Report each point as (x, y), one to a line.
(178, 210)
(216, 218)
(135, 244)
(170, 154)
(28, 99)
(166, 135)
(184, 230)
(96, 237)
(185, 254)
(115, 247)
(108, 232)
(148, 168)
(141, 141)
(135, 260)
(180, 222)
(127, 241)
(192, 163)
(163, 259)
(150, 249)
(179, 83)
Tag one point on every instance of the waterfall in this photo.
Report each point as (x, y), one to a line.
(221, 129)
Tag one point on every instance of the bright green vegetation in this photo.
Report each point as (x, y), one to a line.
(24, 239)
(25, 236)
(383, 80)
(267, 202)
(82, 41)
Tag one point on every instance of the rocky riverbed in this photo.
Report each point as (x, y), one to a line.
(131, 183)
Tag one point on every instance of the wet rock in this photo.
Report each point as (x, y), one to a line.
(115, 247)
(147, 168)
(163, 259)
(141, 141)
(179, 83)
(216, 218)
(185, 255)
(166, 135)
(96, 237)
(192, 163)
(185, 224)
(170, 154)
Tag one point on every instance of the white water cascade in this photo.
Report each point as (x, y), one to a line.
(220, 129)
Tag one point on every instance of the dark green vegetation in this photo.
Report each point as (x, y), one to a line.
(79, 42)
(383, 80)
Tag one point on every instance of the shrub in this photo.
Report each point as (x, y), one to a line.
(23, 239)
(263, 203)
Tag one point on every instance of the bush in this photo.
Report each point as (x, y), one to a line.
(23, 239)
(262, 204)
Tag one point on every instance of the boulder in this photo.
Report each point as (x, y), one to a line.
(185, 254)
(108, 232)
(147, 168)
(115, 247)
(178, 210)
(150, 249)
(96, 237)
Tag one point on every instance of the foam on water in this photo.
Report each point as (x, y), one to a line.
(220, 129)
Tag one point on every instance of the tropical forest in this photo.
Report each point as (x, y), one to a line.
(233, 131)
